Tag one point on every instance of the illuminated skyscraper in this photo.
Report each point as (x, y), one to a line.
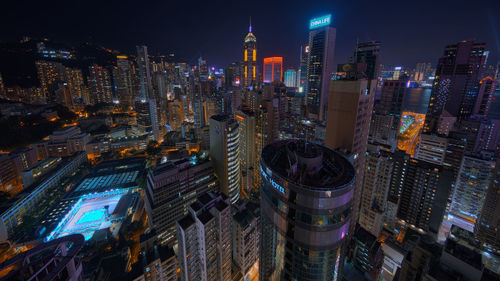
(273, 69)
(319, 66)
(224, 152)
(291, 78)
(302, 73)
(306, 200)
(250, 59)
(146, 98)
(470, 189)
(124, 81)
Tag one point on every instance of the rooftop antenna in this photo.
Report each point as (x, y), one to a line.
(250, 27)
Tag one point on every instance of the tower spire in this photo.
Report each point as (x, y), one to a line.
(250, 26)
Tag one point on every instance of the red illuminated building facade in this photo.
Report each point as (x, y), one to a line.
(273, 69)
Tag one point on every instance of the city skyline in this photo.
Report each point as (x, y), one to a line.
(229, 161)
(214, 29)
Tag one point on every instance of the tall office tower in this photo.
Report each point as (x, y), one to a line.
(146, 95)
(319, 66)
(224, 152)
(123, 80)
(171, 188)
(250, 59)
(291, 78)
(392, 100)
(204, 239)
(367, 57)
(487, 229)
(422, 71)
(99, 83)
(376, 184)
(456, 84)
(48, 73)
(273, 69)
(246, 122)
(302, 74)
(470, 189)
(348, 124)
(487, 88)
(424, 191)
(246, 232)
(306, 200)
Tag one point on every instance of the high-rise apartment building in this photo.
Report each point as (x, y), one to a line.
(376, 184)
(273, 69)
(123, 81)
(246, 233)
(171, 188)
(291, 78)
(246, 122)
(250, 59)
(306, 201)
(424, 189)
(48, 73)
(456, 83)
(99, 82)
(319, 65)
(225, 153)
(470, 189)
(204, 239)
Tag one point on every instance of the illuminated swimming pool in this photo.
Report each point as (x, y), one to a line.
(93, 215)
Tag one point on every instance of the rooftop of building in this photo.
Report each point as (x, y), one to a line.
(205, 217)
(221, 117)
(244, 217)
(469, 255)
(311, 165)
(186, 222)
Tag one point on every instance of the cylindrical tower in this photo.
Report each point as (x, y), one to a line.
(306, 200)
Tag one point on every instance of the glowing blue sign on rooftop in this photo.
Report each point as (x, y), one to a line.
(275, 185)
(319, 22)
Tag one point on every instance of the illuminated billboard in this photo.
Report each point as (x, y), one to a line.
(320, 21)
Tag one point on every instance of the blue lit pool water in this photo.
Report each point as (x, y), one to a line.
(91, 216)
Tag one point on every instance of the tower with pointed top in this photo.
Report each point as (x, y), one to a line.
(250, 58)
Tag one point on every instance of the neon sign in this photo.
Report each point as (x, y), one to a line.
(275, 185)
(319, 22)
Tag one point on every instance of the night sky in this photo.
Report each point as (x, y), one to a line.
(410, 31)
